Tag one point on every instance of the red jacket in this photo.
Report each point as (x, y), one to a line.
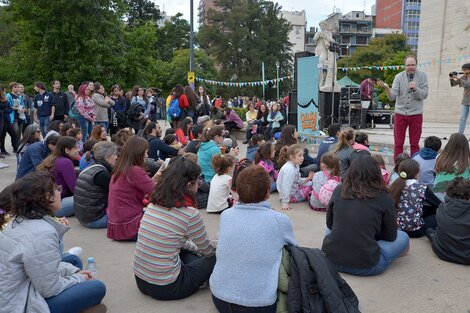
(183, 101)
(182, 138)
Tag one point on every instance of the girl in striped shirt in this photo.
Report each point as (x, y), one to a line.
(174, 256)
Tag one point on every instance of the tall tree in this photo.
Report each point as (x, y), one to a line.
(174, 35)
(57, 43)
(141, 11)
(242, 34)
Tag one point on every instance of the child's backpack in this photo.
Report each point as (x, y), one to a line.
(174, 110)
(327, 190)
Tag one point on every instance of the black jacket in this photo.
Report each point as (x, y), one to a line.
(315, 286)
(452, 240)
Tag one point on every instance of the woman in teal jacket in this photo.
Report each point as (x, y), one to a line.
(211, 138)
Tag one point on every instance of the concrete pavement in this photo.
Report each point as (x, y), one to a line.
(418, 282)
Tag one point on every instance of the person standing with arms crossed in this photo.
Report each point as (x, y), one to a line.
(409, 89)
(463, 81)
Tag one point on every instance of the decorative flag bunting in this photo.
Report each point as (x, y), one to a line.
(398, 67)
(243, 84)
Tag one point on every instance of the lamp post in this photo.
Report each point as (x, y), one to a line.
(277, 79)
(191, 39)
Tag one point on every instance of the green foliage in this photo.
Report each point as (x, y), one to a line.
(242, 35)
(111, 41)
(141, 12)
(388, 50)
(241, 112)
(174, 35)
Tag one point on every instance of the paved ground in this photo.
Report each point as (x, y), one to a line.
(418, 282)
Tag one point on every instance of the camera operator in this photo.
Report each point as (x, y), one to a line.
(463, 81)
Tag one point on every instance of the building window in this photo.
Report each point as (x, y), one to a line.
(361, 40)
(345, 39)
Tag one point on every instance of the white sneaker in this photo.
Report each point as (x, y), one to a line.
(75, 251)
(3, 165)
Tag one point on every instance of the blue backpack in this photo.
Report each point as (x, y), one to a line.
(174, 110)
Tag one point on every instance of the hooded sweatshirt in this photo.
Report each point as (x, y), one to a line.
(251, 152)
(452, 240)
(206, 151)
(426, 158)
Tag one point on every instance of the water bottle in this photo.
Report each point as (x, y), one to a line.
(91, 266)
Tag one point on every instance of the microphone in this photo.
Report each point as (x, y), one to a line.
(410, 79)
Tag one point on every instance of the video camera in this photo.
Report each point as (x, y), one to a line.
(454, 73)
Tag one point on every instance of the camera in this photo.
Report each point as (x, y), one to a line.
(454, 73)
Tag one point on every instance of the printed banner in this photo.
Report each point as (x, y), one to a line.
(307, 97)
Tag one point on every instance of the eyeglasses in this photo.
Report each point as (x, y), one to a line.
(58, 188)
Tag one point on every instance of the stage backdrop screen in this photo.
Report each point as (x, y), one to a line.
(307, 97)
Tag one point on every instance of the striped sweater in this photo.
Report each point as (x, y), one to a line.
(162, 234)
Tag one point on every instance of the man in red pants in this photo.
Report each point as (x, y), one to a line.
(409, 89)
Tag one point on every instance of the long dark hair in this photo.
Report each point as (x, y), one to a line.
(148, 130)
(184, 125)
(455, 158)
(400, 158)
(132, 154)
(286, 139)
(36, 203)
(59, 151)
(363, 179)
(260, 114)
(408, 169)
(192, 97)
(172, 186)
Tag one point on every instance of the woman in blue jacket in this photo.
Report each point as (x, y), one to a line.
(211, 138)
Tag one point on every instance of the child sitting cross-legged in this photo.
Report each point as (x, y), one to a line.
(264, 157)
(219, 194)
(291, 187)
(415, 203)
(329, 174)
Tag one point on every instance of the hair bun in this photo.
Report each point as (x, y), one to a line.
(403, 175)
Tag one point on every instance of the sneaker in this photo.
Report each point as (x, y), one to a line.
(75, 251)
(3, 165)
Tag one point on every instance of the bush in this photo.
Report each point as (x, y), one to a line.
(241, 112)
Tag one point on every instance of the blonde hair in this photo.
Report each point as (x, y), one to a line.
(345, 136)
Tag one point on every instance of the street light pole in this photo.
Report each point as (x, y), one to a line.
(277, 79)
(191, 39)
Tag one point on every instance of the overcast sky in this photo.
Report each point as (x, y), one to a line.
(316, 10)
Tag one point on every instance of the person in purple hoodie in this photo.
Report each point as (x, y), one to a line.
(59, 163)
(232, 120)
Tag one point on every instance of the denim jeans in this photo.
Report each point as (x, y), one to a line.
(227, 307)
(44, 122)
(72, 259)
(389, 252)
(104, 124)
(78, 297)
(86, 126)
(66, 208)
(463, 117)
(99, 223)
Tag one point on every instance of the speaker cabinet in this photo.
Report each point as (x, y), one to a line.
(328, 108)
(292, 118)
